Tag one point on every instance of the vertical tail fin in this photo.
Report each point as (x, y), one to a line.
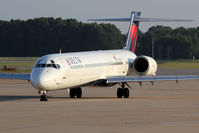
(131, 40)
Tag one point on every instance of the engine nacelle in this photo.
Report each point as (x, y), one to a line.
(144, 65)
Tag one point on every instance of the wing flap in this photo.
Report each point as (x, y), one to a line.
(120, 79)
(15, 76)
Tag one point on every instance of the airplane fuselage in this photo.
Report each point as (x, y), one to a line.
(68, 70)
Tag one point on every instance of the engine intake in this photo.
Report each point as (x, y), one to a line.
(144, 65)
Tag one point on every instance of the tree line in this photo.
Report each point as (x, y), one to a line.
(40, 36)
(179, 43)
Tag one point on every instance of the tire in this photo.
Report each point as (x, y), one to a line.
(126, 92)
(119, 93)
(45, 98)
(72, 93)
(41, 98)
(79, 92)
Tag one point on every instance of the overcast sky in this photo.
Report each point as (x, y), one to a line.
(84, 9)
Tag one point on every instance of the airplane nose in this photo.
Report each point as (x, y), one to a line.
(41, 80)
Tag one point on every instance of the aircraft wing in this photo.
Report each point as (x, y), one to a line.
(15, 76)
(119, 79)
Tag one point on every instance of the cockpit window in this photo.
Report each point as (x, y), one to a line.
(49, 65)
(52, 61)
(58, 66)
(43, 65)
(52, 65)
(38, 65)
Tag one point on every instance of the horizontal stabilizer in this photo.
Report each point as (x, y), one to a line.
(112, 19)
(161, 20)
(142, 20)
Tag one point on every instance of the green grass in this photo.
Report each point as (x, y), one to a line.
(8, 63)
(17, 64)
(18, 58)
(184, 64)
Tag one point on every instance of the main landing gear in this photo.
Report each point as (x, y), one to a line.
(43, 97)
(75, 92)
(123, 91)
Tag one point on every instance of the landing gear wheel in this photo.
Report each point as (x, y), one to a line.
(123, 91)
(43, 98)
(79, 92)
(72, 93)
(126, 92)
(76, 92)
(119, 93)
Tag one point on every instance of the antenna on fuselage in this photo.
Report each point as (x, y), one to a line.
(60, 51)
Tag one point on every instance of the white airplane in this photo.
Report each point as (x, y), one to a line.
(97, 68)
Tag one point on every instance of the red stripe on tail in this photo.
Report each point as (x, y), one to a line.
(133, 37)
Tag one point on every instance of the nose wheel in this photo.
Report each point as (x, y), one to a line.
(43, 97)
(123, 92)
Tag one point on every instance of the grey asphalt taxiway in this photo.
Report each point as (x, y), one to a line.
(166, 107)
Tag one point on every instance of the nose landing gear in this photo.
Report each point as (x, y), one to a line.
(43, 97)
